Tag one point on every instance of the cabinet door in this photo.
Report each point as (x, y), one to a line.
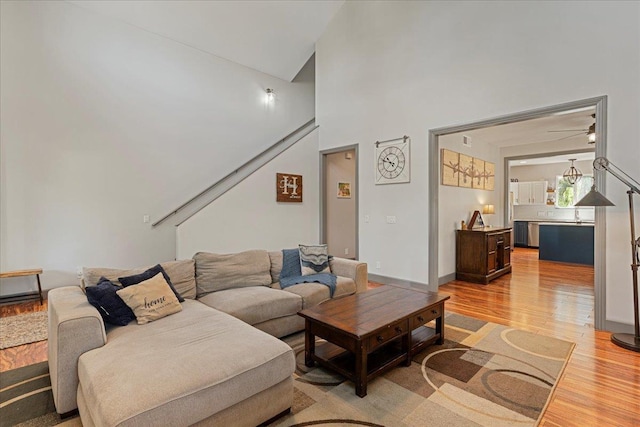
(524, 193)
(507, 249)
(492, 246)
(539, 192)
(521, 233)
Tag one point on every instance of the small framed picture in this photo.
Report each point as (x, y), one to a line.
(344, 190)
(476, 221)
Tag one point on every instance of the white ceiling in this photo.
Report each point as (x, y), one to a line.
(538, 130)
(274, 37)
(569, 128)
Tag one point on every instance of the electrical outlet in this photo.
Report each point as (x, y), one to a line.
(145, 219)
(366, 218)
(346, 251)
(391, 219)
(377, 264)
(79, 272)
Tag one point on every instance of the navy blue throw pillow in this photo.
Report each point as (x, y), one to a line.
(111, 307)
(146, 275)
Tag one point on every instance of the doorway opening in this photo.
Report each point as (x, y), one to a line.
(339, 201)
(439, 233)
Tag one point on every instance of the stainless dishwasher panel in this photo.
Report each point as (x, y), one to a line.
(534, 235)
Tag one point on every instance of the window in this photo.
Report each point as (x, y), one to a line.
(567, 195)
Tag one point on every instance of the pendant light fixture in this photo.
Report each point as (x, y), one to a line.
(572, 175)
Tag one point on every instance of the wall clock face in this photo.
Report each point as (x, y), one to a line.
(392, 163)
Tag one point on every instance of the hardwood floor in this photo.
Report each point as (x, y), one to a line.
(22, 355)
(601, 384)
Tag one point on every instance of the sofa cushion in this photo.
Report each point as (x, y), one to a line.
(312, 294)
(186, 367)
(315, 293)
(254, 304)
(181, 273)
(110, 306)
(276, 265)
(151, 299)
(216, 272)
(146, 275)
(314, 259)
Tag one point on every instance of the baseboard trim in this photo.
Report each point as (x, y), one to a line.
(446, 279)
(624, 328)
(385, 280)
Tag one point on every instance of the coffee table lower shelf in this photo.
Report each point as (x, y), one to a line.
(380, 360)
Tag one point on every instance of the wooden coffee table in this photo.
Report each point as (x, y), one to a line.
(369, 333)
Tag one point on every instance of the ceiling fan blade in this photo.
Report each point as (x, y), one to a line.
(569, 130)
(566, 137)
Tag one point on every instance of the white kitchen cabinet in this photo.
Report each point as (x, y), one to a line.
(532, 193)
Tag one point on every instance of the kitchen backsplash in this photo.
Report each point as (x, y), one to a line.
(551, 213)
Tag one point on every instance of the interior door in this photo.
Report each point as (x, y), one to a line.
(340, 202)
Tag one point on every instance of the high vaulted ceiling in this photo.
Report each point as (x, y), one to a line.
(274, 37)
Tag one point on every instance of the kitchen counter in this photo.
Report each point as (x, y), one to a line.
(565, 224)
(553, 221)
(567, 242)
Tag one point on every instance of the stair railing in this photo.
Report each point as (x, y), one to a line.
(242, 172)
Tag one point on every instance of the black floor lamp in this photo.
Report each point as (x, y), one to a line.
(594, 198)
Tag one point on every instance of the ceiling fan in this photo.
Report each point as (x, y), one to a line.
(590, 132)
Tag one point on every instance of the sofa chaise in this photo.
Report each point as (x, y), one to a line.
(216, 362)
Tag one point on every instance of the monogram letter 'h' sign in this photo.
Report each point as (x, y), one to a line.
(288, 188)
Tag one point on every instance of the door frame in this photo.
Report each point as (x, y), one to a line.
(600, 104)
(323, 193)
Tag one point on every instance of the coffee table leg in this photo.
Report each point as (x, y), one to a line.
(309, 345)
(440, 326)
(361, 371)
(406, 346)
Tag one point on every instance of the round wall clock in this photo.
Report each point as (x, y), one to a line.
(392, 161)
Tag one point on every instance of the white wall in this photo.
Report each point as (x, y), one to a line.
(103, 123)
(248, 216)
(341, 212)
(458, 203)
(387, 69)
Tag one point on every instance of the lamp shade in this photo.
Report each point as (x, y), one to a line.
(594, 198)
(488, 209)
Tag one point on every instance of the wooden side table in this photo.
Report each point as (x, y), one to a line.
(24, 296)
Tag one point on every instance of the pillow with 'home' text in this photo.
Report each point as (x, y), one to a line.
(145, 275)
(151, 299)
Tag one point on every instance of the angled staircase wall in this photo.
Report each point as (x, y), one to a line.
(247, 216)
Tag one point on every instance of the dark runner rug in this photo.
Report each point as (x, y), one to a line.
(25, 393)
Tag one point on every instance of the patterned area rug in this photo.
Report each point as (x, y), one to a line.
(483, 375)
(23, 329)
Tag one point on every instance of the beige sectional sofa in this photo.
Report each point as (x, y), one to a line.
(210, 364)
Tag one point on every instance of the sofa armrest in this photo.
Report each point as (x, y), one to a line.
(75, 327)
(355, 270)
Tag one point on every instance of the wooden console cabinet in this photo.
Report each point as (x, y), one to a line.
(482, 254)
